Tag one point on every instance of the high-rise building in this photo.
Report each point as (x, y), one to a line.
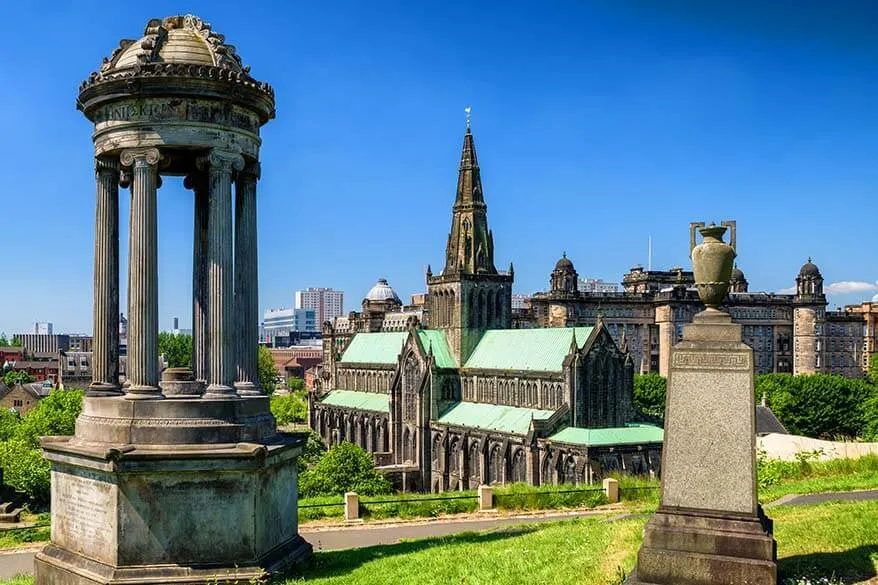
(43, 328)
(326, 302)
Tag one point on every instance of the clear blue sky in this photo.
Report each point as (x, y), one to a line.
(597, 124)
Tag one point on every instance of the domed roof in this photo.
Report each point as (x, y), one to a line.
(176, 39)
(809, 269)
(737, 275)
(564, 263)
(382, 292)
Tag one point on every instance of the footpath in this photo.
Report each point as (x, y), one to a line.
(338, 536)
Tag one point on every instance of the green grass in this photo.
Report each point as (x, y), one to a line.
(837, 539)
(801, 477)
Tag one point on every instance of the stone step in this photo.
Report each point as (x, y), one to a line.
(11, 517)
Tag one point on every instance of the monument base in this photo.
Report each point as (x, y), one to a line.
(132, 514)
(683, 546)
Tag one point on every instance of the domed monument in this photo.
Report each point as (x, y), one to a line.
(182, 478)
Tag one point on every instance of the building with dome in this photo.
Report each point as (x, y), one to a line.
(789, 333)
(447, 396)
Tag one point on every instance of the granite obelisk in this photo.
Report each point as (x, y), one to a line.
(709, 528)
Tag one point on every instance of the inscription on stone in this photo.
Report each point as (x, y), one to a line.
(178, 110)
(711, 361)
(83, 514)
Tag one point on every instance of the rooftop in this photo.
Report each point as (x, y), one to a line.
(537, 350)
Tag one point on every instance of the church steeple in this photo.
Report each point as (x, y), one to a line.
(470, 243)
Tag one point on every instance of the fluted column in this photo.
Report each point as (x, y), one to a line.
(198, 183)
(105, 357)
(143, 325)
(246, 282)
(220, 266)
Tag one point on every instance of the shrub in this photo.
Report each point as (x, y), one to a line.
(649, 394)
(55, 415)
(265, 370)
(870, 417)
(344, 468)
(25, 469)
(312, 453)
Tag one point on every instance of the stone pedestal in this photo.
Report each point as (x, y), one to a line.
(171, 491)
(709, 528)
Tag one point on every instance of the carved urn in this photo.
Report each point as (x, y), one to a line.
(712, 261)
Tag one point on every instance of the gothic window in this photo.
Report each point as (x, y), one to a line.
(546, 471)
(474, 467)
(412, 375)
(495, 465)
(499, 307)
(489, 312)
(570, 471)
(437, 452)
(517, 471)
(482, 309)
(454, 457)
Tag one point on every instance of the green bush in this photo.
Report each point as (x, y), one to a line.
(817, 405)
(13, 377)
(344, 468)
(289, 408)
(649, 394)
(55, 415)
(25, 469)
(312, 453)
(265, 370)
(870, 417)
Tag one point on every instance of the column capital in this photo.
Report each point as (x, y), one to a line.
(195, 181)
(221, 160)
(106, 164)
(252, 169)
(150, 156)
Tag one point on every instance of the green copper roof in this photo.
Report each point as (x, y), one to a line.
(538, 350)
(374, 348)
(435, 340)
(630, 434)
(496, 417)
(361, 400)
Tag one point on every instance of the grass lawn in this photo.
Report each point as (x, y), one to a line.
(838, 539)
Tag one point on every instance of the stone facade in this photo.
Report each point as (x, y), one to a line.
(449, 396)
(789, 333)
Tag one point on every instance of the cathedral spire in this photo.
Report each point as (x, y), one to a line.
(470, 243)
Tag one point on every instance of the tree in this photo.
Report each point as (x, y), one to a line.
(177, 349)
(312, 453)
(16, 341)
(873, 368)
(649, 394)
(13, 377)
(817, 405)
(289, 408)
(4, 341)
(265, 370)
(344, 468)
(55, 415)
(295, 384)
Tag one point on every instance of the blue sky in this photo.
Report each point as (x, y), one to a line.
(597, 125)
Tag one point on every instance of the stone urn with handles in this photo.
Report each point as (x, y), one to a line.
(712, 261)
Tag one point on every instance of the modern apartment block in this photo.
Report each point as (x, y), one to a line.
(326, 302)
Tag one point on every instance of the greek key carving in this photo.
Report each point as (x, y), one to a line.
(710, 361)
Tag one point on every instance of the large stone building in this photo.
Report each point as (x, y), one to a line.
(470, 400)
(792, 333)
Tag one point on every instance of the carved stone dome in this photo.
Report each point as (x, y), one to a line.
(809, 269)
(382, 292)
(737, 275)
(176, 39)
(564, 264)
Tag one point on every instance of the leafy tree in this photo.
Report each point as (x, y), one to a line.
(649, 393)
(295, 384)
(55, 415)
(25, 469)
(265, 370)
(177, 349)
(344, 468)
(10, 420)
(16, 341)
(817, 405)
(13, 377)
(4, 341)
(289, 408)
(873, 368)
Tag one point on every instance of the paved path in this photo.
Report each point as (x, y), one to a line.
(359, 535)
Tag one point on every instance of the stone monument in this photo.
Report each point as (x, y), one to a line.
(709, 528)
(183, 479)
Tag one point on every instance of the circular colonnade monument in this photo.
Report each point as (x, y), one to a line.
(182, 478)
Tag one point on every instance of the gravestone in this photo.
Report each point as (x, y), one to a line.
(709, 528)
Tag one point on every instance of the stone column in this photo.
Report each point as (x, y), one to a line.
(198, 184)
(246, 282)
(220, 282)
(105, 359)
(143, 326)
